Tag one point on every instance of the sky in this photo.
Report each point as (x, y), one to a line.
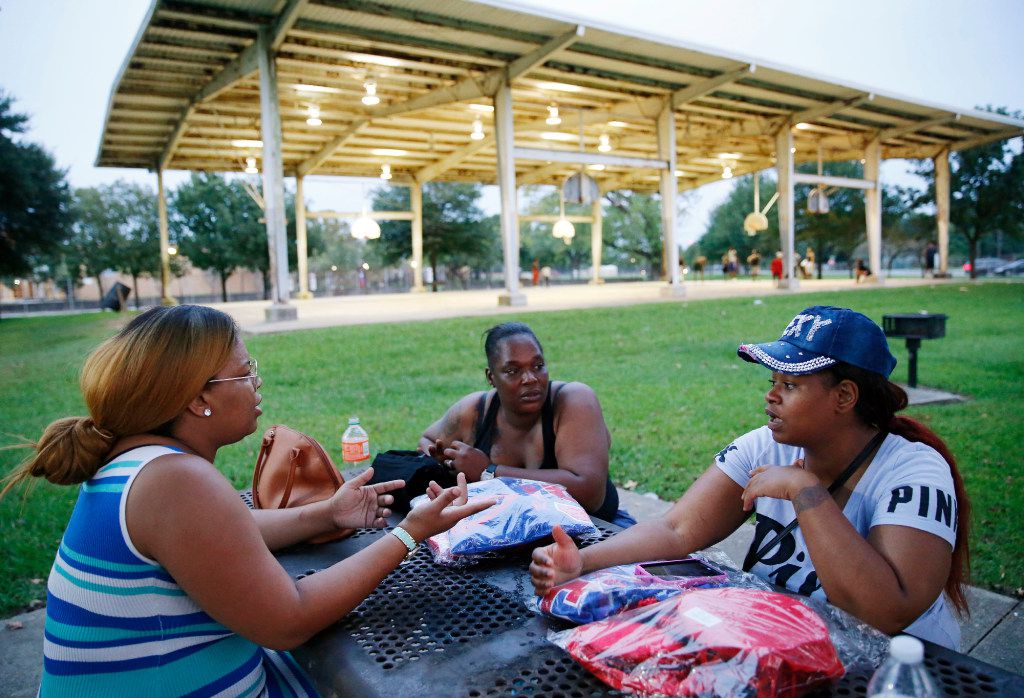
(59, 60)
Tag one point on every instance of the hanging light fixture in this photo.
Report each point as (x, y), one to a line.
(553, 118)
(250, 166)
(385, 172)
(370, 99)
(604, 143)
(313, 115)
(726, 172)
(365, 228)
(478, 130)
(563, 228)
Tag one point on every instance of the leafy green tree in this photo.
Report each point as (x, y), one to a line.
(218, 227)
(92, 246)
(986, 193)
(133, 210)
(453, 229)
(35, 200)
(725, 229)
(537, 242)
(632, 228)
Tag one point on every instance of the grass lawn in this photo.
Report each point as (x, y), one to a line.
(671, 386)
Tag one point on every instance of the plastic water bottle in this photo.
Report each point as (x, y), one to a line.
(903, 675)
(355, 444)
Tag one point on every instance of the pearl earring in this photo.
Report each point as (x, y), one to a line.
(207, 412)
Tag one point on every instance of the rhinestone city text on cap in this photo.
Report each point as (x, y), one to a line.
(817, 325)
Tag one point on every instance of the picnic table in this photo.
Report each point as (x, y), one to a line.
(432, 630)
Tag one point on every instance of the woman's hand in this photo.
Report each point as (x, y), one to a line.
(778, 482)
(556, 563)
(358, 505)
(463, 458)
(441, 513)
(434, 489)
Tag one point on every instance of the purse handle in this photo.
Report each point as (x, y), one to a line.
(261, 459)
(875, 442)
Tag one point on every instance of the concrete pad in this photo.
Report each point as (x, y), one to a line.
(280, 313)
(21, 654)
(930, 396)
(987, 610)
(1004, 645)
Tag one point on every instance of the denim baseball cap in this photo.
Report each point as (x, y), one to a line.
(819, 337)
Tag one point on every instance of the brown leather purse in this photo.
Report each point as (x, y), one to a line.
(292, 469)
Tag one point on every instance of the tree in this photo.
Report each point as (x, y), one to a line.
(94, 239)
(133, 209)
(986, 193)
(537, 242)
(453, 230)
(725, 228)
(217, 225)
(34, 197)
(632, 228)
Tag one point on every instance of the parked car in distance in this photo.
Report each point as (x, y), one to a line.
(1013, 268)
(984, 265)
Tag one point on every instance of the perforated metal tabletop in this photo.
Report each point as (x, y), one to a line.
(429, 630)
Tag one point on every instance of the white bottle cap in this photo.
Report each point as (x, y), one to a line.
(353, 420)
(906, 649)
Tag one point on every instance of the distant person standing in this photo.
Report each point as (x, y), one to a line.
(776, 267)
(732, 262)
(545, 275)
(698, 266)
(860, 270)
(754, 260)
(930, 253)
(536, 272)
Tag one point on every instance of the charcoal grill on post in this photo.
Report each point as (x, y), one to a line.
(914, 327)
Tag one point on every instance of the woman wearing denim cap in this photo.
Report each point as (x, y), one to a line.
(889, 545)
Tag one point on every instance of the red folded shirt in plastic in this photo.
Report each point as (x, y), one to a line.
(721, 642)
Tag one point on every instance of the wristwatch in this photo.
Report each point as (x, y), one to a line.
(488, 473)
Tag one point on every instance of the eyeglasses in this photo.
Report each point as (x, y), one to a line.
(252, 376)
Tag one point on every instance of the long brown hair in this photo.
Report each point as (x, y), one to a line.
(879, 401)
(138, 381)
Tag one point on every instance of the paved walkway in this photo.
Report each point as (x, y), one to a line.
(406, 307)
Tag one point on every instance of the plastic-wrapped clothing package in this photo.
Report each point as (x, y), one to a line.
(721, 642)
(603, 593)
(526, 511)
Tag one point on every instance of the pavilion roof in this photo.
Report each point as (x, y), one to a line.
(188, 93)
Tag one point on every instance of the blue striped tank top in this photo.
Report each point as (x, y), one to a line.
(117, 624)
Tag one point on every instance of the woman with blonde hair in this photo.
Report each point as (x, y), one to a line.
(165, 583)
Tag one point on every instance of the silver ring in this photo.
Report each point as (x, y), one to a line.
(449, 463)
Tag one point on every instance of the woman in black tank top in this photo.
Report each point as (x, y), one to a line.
(553, 430)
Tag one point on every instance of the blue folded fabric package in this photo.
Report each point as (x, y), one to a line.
(525, 511)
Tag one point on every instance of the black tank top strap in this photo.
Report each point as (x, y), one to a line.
(485, 421)
(547, 420)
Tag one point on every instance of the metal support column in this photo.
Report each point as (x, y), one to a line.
(942, 209)
(165, 242)
(596, 239)
(504, 135)
(784, 166)
(301, 246)
(273, 182)
(667, 152)
(873, 209)
(416, 203)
